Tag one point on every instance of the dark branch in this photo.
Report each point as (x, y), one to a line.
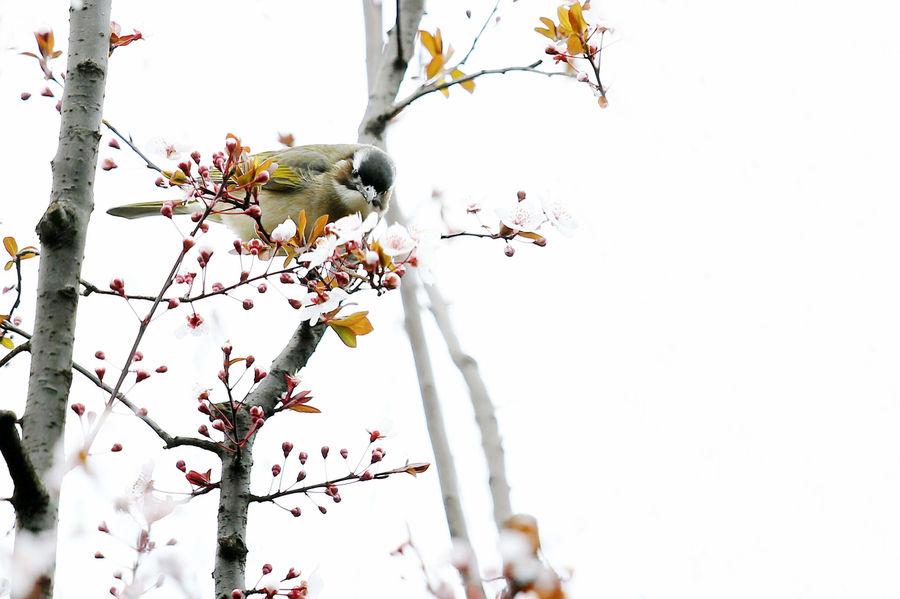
(29, 493)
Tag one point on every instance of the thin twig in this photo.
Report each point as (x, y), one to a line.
(480, 33)
(131, 145)
(14, 352)
(398, 107)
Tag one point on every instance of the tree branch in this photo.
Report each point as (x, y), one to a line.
(29, 490)
(485, 415)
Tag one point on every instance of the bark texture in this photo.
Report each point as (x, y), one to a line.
(62, 232)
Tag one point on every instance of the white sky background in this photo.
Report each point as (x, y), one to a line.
(697, 392)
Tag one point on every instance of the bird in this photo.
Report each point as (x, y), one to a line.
(336, 180)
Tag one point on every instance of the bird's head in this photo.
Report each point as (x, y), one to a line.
(371, 174)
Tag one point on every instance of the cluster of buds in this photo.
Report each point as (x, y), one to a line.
(223, 417)
(361, 472)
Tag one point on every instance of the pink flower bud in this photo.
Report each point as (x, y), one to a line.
(217, 287)
(181, 465)
(78, 408)
(262, 178)
(253, 211)
(287, 447)
(141, 375)
(247, 304)
(196, 216)
(295, 303)
(237, 594)
(108, 164)
(301, 475)
(295, 512)
(520, 195)
(258, 375)
(100, 372)
(99, 355)
(286, 278)
(117, 447)
(138, 356)
(245, 275)
(114, 143)
(303, 457)
(262, 287)
(276, 470)
(292, 573)
(509, 251)
(46, 92)
(344, 453)
(160, 182)
(391, 280)
(325, 451)
(167, 210)
(25, 96)
(174, 303)
(249, 360)
(218, 424)
(203, 430)
(322, 509)
(187, 243)
(266, 569)
(195, 156)
(185, 167)
(102, 527)
(366, 476)
(141, 412)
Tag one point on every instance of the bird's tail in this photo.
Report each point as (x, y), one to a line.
(142, 209)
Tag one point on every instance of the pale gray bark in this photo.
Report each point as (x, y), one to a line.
(371, 130)
(62, 231)
(485, 414)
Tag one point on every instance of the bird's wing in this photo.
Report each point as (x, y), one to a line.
(301, 165)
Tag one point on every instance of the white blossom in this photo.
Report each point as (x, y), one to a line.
(284, 232)
(523, 216)
(396, 241)
(559, 215)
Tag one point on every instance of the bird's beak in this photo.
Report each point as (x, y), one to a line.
(367, 192)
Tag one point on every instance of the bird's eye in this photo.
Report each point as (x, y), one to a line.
(355, 173)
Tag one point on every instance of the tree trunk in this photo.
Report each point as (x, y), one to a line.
(62, 231)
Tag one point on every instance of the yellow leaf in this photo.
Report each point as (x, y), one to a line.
(26, 254)
(445, 91)
(8, 265)
(357, 322)
(429, 42)
(318, 227)
(302, 407)
(346, 335)
(550, 31)
(11, 246)
(7, 342)
(434, 67)
(602, 102)
(574, 46)
(469, 85)
(301, 223)
(417, 468)
(576, 19)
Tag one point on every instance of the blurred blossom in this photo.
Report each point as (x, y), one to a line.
(559, 215)
(396, 241)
